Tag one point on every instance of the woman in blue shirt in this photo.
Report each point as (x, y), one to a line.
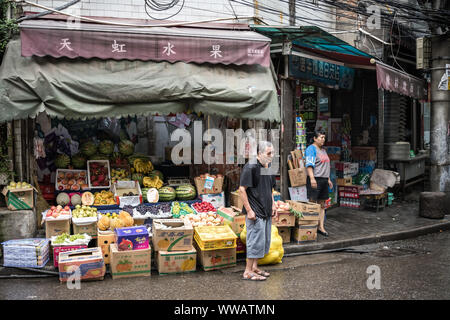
(318, 178)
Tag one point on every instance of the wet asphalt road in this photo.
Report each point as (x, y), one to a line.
(412, 269)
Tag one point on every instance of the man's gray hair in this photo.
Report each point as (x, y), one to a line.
(263, 145)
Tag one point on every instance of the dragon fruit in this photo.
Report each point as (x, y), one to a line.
(62, 161)
(126, 147)
(106, 147)
(89, 148)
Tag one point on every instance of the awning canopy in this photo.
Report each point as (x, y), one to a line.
(316, 41)
(87, 40)
(392, 79)
(94, 88)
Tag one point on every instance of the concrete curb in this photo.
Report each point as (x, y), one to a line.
(392, 236)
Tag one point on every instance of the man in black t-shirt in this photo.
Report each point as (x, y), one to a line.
(259, 206)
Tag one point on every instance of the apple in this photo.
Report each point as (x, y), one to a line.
(66, 208)
(49, 213)
(53, 208)
(55, 215)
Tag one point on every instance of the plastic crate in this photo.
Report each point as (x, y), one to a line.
(227, 242)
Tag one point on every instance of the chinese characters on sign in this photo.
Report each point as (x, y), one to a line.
(338, 77)
(112, 45)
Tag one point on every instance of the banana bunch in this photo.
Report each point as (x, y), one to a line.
(153, 182)
(142, 166)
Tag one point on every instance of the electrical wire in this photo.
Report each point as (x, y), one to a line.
(41, 14)
(160, 6)
(178, 24)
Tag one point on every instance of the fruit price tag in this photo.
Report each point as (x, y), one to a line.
(209, 182)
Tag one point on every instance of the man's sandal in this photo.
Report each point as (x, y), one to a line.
(262, 273)
(253, 277)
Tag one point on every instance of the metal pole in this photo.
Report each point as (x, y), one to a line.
(440, 118)
(380, 151)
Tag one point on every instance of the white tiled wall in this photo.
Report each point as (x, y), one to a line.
(193, 10)
(197, 10)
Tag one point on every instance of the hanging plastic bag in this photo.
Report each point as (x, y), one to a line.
(111, 126)
(276, 251)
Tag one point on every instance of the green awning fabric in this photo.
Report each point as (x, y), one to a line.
(94, 88)
(314, 39)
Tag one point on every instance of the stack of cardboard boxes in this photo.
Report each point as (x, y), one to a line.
(130, 254)
(216, 247)
(173, 245)
(305, 229)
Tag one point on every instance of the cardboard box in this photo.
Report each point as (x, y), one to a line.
(233, 218)
(303, 234)
(176, 261)
(58, 249)
(364, 153)
(310, 210)
(299, 222)
(298, 193)
(285, 219)
(90, 229)
(88, 262)
(19, 199)
(346, 181)
(132, 238)
(104, 240)
(119, 188)
(131, 263)
(216, 187)
(297, 177)
(236, 200)
(216, 259)
(285, 233)
(217, 200)
(177, 238)
(56, 227)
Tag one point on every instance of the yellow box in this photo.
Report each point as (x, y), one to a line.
(215, 237)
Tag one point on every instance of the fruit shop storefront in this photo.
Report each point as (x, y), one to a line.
(92, 112)
(334, 87)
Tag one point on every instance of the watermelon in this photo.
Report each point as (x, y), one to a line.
(126, 147)
(186, 192)
(62, 161)
(156, 173)
(99, 156)
(79, 161)
(89, 148)
(144, 194)
(167, 194)
(106, 147)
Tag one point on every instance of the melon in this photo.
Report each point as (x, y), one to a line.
(126, 147)
(87, 199)
(152, 195)
(75, 200)
(63, 199)
(106, 147)
(167, 194)
(185, 192)
(62, 161)
(79, 161)
(139, 177)
(89, 148)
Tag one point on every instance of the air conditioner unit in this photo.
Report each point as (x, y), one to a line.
(423, 53)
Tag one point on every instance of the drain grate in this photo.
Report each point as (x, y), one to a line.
(396, 252)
